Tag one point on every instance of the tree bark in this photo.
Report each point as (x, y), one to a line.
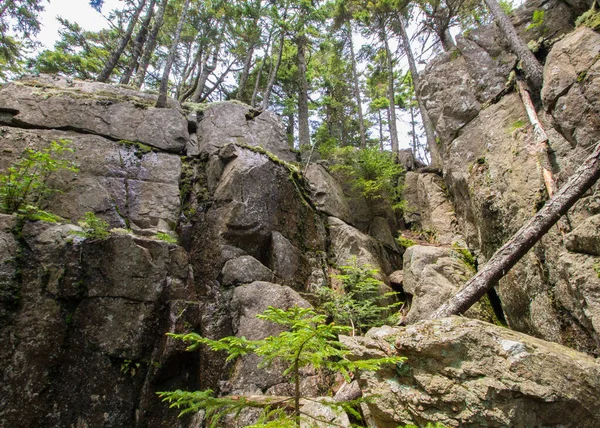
(543, 159)
(260, 68)
(199, 66)
(116, 55)
(391, 92)
(532, 68)
(427, 124)
(273, 73)
(206, 70)
(140, 75)
(164, 82)
(511, 252)
(303, 126)
(361, 121)
(138, 45)
(245, 74)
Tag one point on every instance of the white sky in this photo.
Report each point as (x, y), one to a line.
(78, 11)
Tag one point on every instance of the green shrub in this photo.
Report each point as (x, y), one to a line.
(162, 236)
(308, 341)
(537, 20)
(405, 242)
(24, 185)
(358, 303)
(93, 227)
(371, 171)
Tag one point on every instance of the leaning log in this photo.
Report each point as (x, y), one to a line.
(522, 241)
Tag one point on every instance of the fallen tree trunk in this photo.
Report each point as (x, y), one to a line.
(511, 252)
(543, 149)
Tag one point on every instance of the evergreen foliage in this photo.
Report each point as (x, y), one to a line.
(358, 302)
(25, 184)
(308, 341)
(93, 227)
(372, 172)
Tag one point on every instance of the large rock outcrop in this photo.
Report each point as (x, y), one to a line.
(467, 373)
(126, 185)
(110, 111)
(82, 329)
(490, 166)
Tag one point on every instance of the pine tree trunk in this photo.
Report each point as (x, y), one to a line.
(391, 93)
(303, 126)
(245, 73)
(427, 124)
(361, 121)
(125, 38)
(533, 70)
(522, 241)
(273, 73)
(448, 44)
(138, 44)
(206, 70)
(199, 66)
(164, 82)
(140, 75)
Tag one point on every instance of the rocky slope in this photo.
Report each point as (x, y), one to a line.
(82, 321)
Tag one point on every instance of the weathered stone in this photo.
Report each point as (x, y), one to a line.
(407, 159)
(462, 372)
(380, 230)
(448, 92)
(412, 211)
(123, 184)
(431, 276)
(317, 415)
(578, 290)
(429, 208)
(348, 243)
(9, 290)
(247, 302)
(572, 87)
(285, 259)
(84, 310)
(107, 110)
(326, 193)
(397, 277)
(585, 238)
(225, 123)
(491, 174)
(244, 270)
(488, 72)
(558, 18)
(256, 197)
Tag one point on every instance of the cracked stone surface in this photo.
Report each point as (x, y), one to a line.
(469, 373)
(51, 102)
(120, 183)
(223, 123)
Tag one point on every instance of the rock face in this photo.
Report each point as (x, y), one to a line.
(327, 193)
(429, 208)
(83, 334)
(102, 109)
(468, 373)
(124, 184)
(348, 243)
(489, 163)
(225, 123)
(572, 87)
(431, 275)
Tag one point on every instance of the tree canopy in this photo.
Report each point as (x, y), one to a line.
(340, 73)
